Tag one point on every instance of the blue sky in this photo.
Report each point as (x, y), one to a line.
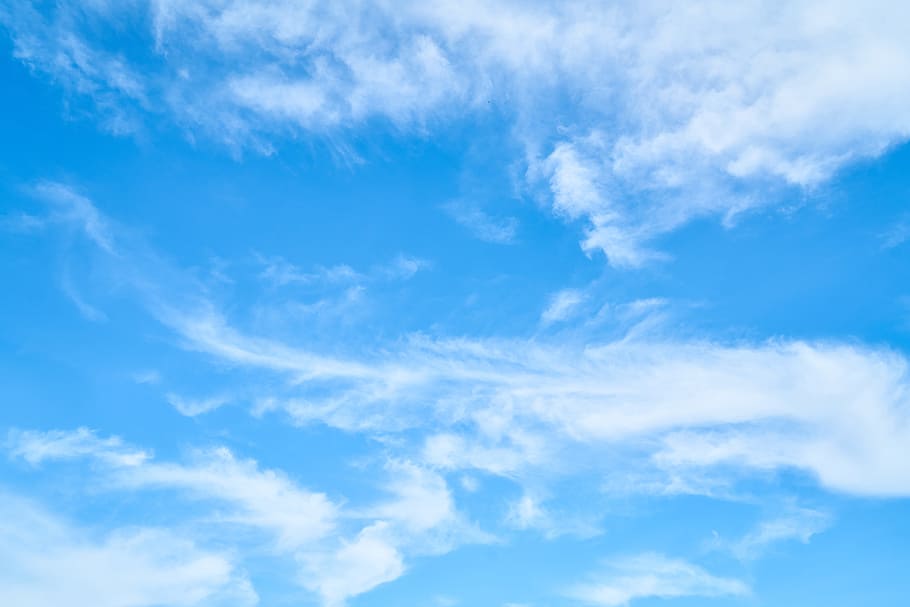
(493, 304)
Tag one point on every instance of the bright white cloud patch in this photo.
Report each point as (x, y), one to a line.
(46, 561)
(673, 107)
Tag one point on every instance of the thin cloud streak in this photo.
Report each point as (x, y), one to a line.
(651, 575)
(833, 410)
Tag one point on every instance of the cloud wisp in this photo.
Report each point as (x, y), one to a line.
(481, 224)
(651, 575)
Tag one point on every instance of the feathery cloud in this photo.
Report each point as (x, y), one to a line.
(653, 576)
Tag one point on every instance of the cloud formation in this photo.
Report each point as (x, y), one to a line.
(836, 411)
(48, 561)
(672, 109)
(325, 538)
(653, 576)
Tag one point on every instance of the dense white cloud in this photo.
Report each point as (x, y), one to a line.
(46, 561)
(644, 115)
(652, 576)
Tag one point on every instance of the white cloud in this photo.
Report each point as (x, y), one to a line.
(192, 407)
(526, 512)
(147, 376)
(357, 566)
(578, 191)
(262, 499)
(404, 267)
(38, 447)
(280, 272)
(834, 410)
(562, 306)
(21, 223)
(70, 207)
(503, 454)
(795, 524)
(897, 235)
(483, 225)
(87, 310)
(644, 115)
(529, 512)
(652, 576)
(46, 561)
(421, 498)
(417, 516)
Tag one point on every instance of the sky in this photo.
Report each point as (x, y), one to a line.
(487, 304)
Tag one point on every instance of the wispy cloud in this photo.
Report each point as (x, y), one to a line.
(278, 271)
(794, 524)
(562, 306)
(192, 407)
(417, 516)
(21, 222)
(88, 311)
(147, 376)
(626, 580)
(499, 230)
(832, 410)
(72, 208)
(701, 100)
(530, 512)
(403, 267)
(263, 499)
(897, 234)
(48, 561)
(38, 447)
